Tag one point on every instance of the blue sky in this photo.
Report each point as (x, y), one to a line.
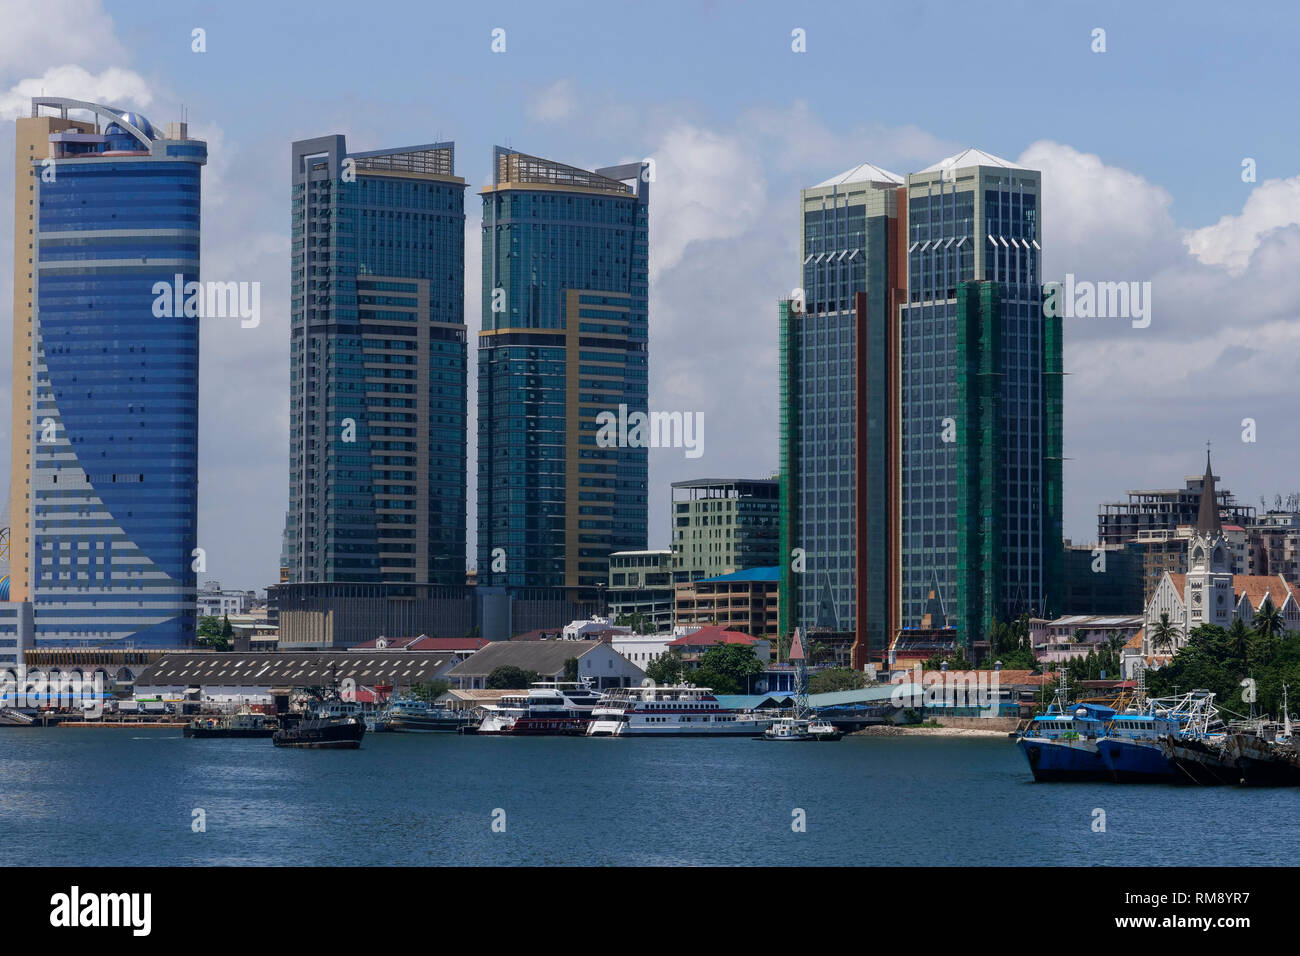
(1140, 147)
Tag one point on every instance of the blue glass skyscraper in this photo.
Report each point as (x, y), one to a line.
(378, 378)
(565, 280)
(113, 426)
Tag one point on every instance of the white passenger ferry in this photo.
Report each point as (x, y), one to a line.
(549, 709)
(670, 711)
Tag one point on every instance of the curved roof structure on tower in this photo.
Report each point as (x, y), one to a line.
(133, 123)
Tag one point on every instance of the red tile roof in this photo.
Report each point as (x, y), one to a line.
(1258, 586)
(541, 634)
(713, 634)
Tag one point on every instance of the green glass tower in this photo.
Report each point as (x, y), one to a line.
(980, 399)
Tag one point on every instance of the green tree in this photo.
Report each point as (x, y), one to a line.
(509, 677)
(430, 691)
(1269, 621)
(818, 652)
(571, 669)
(666, 668)
(955, 662)
(727, 668)
(836, 678)
(1163, 634)
(639, 623)
(210, 634)
(1239, 639)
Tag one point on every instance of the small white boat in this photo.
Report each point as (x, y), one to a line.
(793, 728)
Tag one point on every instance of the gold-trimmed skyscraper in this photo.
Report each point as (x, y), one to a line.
(564, 339)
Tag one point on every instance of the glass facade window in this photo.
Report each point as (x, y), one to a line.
(114, 424)
(378, 367)
(565, 309)
(977, 428)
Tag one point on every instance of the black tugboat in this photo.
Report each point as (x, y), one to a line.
(331, 724)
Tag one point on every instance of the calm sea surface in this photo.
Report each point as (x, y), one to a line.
(126, 797)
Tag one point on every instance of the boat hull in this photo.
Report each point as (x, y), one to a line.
(1136, 761)
(1058, 761)
(610, 728)
(228, 733)
(322, 735)
(408, 725)
(1264, 764)
(1201, 762)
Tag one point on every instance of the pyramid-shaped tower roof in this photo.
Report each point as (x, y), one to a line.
(970, 157)
(1207, 515)
(863, 173)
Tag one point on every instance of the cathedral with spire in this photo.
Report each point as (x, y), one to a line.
(1208, 593)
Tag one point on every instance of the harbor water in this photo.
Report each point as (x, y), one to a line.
(137, 797)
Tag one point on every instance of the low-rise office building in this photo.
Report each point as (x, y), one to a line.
(641, 585)
(1077, 635)
(744, 600)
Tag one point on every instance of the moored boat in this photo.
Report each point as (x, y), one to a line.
(1266, 752)
(245, 724)
(1061, 744)
(409, 715)
(1132, 748)
(333, 725)
(1266, 757)
(681, 710)
(796, 729)
(1203, 760)
(549, 709)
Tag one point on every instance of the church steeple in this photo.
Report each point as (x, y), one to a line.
(1208, 597)
(1207, 516)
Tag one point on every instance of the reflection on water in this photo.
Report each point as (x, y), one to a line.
(103, 797)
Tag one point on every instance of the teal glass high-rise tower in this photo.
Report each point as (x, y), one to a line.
(564, 338)
(980, 399)
(836, 413)
(378, 377)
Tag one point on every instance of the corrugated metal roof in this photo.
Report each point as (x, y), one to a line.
(298, 668)
(875, 694)
(545, 657)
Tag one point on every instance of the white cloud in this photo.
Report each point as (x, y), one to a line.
(1232, 240)
(113, 85)
(1099, 222)
(55, 31)
(798, 141)
(554, 102)
(707, 186)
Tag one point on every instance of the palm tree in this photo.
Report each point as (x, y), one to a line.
(1163, 635)
(1239, 638)
(1269, 621)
